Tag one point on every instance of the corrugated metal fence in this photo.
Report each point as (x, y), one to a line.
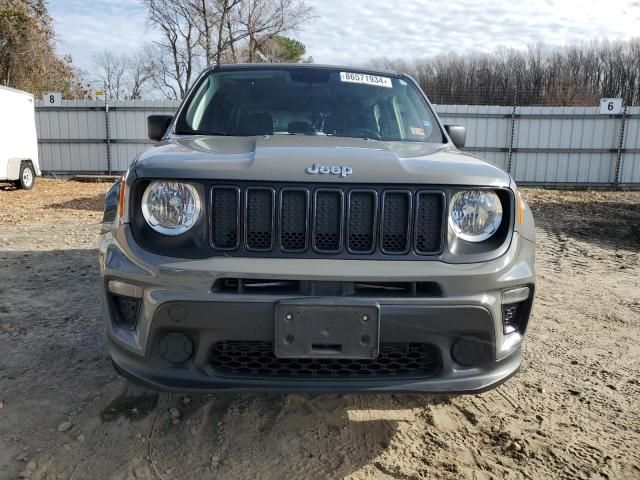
(554, 145)
(538, 145)
(83, 137)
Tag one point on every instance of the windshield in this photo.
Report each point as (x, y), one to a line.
(309, 101)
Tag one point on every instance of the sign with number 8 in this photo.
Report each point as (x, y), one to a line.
(52, 99)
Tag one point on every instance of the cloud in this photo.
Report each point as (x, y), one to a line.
(86, 28)
(357, 30)
(354, 31)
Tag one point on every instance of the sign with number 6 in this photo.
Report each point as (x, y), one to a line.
(52, 99)
(610, 106)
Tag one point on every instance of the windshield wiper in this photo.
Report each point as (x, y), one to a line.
(201, 132)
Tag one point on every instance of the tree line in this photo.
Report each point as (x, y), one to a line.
(574, 75)
(190, 34)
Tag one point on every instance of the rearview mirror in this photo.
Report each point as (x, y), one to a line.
(157, 126)
(457, 134)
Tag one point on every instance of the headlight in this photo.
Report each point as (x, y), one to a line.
(171, 208)
(475, 215)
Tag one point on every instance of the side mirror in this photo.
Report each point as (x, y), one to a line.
(157, 126)
(457, 134)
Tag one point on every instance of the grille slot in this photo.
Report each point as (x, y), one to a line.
(225, 223)
(428, 222)
(294, 212)
(256, 359)
(362, 212)
(327, 232)
(259, 215)
(396, 215)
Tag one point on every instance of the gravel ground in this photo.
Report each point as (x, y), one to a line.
(572, 411)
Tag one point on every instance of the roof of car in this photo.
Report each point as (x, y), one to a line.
(311, 66)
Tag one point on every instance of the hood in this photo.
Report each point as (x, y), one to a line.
(286, 158)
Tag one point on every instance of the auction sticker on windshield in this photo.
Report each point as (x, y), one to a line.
(366, 79)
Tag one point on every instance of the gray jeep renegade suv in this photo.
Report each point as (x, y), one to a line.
(314, 228)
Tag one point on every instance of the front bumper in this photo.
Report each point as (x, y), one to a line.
(176, 296)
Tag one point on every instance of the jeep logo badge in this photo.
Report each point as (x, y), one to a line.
(329, 170)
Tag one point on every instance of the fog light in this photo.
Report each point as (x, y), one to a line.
(515, 309)
(125, 311)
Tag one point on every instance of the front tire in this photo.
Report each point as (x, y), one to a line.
(27, 176)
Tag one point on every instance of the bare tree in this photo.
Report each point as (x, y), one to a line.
(109, 70)
(214, 27)
(140, 73)
(196, 32)
(122, 77)
(175, 56)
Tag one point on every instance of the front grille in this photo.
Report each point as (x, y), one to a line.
(321, 221)
(256, 359)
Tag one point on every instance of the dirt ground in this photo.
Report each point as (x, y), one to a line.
(572, 411)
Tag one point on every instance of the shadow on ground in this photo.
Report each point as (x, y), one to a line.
(94, 203)
(614, 225)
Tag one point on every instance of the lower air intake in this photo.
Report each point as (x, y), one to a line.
(125, 310)
(256, 359)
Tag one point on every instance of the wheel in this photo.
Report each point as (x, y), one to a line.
(27, 176)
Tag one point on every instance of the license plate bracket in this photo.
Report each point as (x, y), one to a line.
(305, 330)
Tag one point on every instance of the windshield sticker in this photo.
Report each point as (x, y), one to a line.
(417, 131)
(366, 79)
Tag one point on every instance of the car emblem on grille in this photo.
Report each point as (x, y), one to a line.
(316, 168)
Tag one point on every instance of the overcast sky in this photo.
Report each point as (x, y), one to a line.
(353, 31)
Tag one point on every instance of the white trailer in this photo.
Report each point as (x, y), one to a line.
(18, 138)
